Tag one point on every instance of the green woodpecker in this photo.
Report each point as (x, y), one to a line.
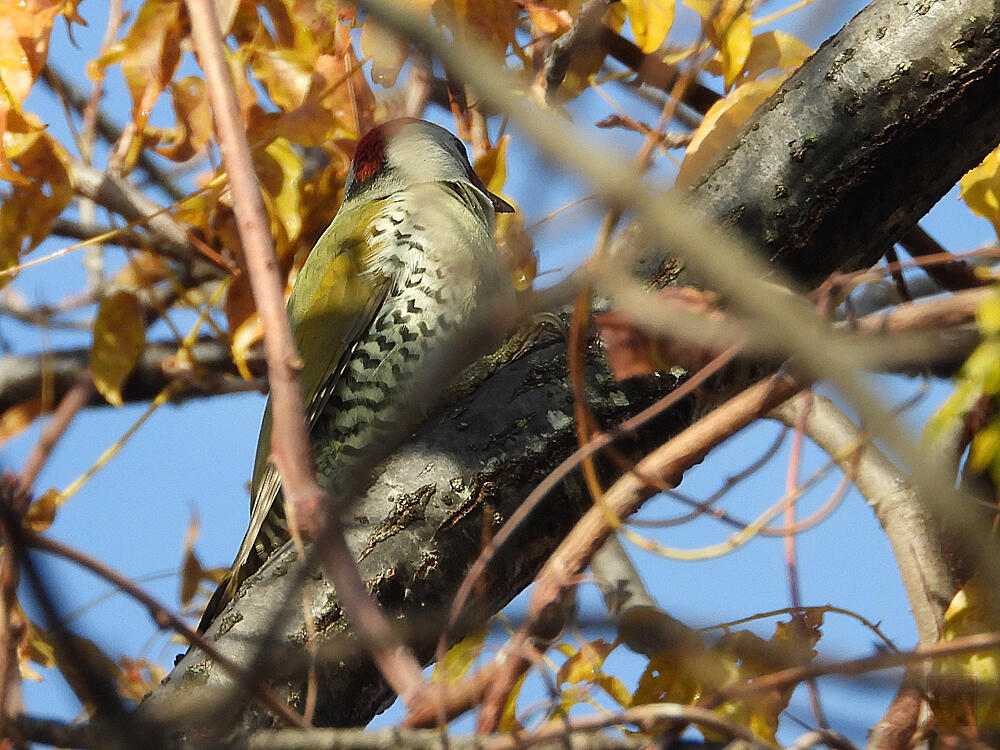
(403, 288)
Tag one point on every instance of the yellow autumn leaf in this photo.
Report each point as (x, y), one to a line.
(244, 325)
(280, 170)
(119, 338)
(721, 123)
(988, 315)
(650, 21)
(42, 512)
(149, 54)
(981, 189)
(513, 241)
(734, 46)
(964, 690)
(729, 28)
(585, 665)
(508, 716)
(491, 166)
(460, 658)
(774, 50)
(386, 50)
(35, 648)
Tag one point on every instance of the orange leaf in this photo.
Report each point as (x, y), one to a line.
(19, 417)
(632, 352)
(517, 248)
(138, 677)
(119, 338)
(24, 43)
(548, 20)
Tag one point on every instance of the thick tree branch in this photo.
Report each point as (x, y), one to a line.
(22, 376)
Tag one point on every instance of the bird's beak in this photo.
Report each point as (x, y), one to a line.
(499, 204)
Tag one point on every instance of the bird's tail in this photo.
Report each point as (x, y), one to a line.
(223, 593)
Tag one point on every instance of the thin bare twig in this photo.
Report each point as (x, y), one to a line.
(953, 275)
(912, 533)
(78, 397)
(788, 540)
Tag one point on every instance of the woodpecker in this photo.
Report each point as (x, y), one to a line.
(404, 287)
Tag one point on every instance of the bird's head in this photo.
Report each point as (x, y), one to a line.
(406, 151)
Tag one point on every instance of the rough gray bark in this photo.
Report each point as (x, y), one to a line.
(851, 152)
(859, 144)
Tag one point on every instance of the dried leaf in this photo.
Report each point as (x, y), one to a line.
(19, 417)
(35, 648)
(588, 58)
(285, 74)
(25, 27)
(192, 572)
(42, 512)
(548, 18)
(514, 243)
(119, 338)
(517, 248)
(194, 120)
(143, 270)
(138, 677)
(494, 21)
(632, 352)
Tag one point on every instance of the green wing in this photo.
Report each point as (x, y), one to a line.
(336, 295)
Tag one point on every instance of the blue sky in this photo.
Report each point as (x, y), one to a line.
(196, 458)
